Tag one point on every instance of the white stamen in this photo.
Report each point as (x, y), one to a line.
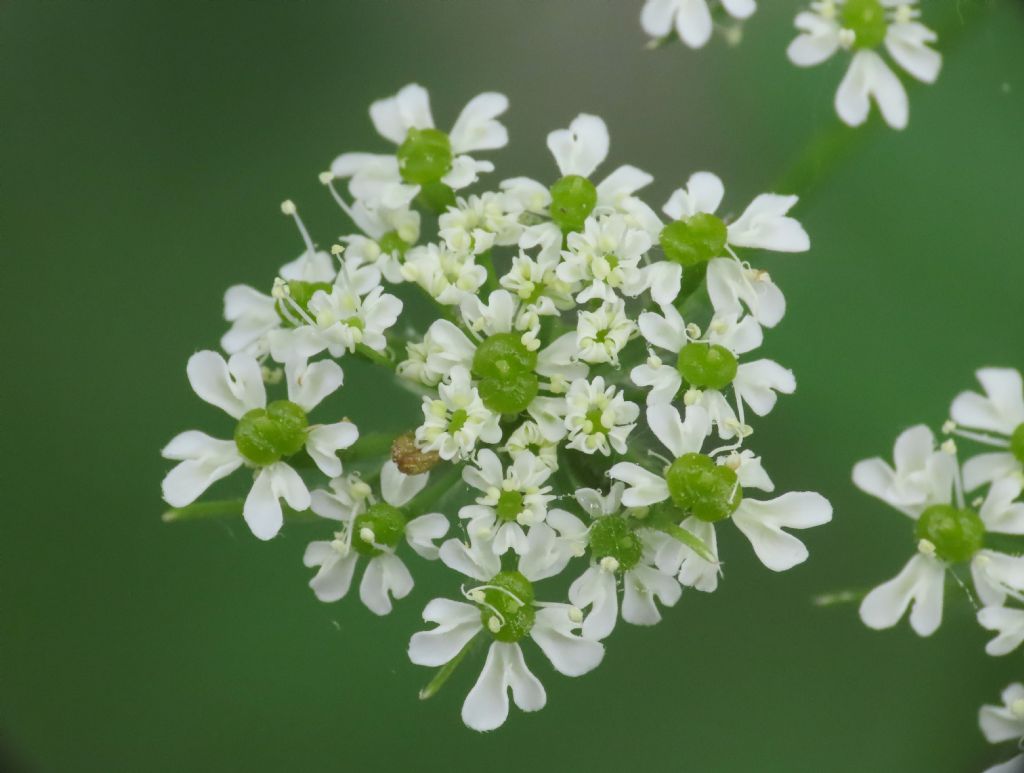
(948, 427)
(692, 396)
(926, 547)
(326, 177)
(288, 207)
(949, 447)
(366, 535)
(609, 564)
(494, 624)
(576, 614)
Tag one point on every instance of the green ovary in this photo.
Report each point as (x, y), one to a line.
(866, 18)
(707, 366)
(505, 368)
(694, 240)
(956, 534)
(509, 604)
(266, 435)
(1017, 443)
(425, 156)
(573, 198)
(387, 524)
(613, 537)
(709, 491)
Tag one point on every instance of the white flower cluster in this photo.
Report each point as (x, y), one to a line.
(966, 518)
(860, 27)
(573, 325)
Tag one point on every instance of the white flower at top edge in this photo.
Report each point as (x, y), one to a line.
(762, 522)
(925, 485)
(386, 576)
(236, 386)
(512, 499)
(497, 612)
(862, 26)
(689, 19)
(378, 179)
(999, 411)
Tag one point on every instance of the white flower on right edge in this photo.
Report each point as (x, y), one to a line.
(503, 609)
(1005, 723)
(925, 485)
(691, 20)
(862, 26)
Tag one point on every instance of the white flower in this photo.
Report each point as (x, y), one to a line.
(762, 522)
(598, 418)
(1009, 625)
(754, 384)
(764, 225)
(1000, 411)
(535, 281)
(477, 223)
(379, 179)
(355, 312)
(602, 333)
(923, 474)
(236, 386)
(864, 26)
(605, 259)
(457, 420)
(579, 151)
(642, 581)
(253, 315)
(921, 583)
(1006, 722)
(512, 498)
(691, 19)
(386, 576)
(449, 277)
(551, 626)
(528, 437)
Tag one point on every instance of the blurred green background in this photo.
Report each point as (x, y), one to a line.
(146, 147)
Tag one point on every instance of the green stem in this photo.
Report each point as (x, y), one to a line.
(849, 596)
(223, 508)
(692, 541)
(375, 357)
(440, 488)
(486, 260)
(443, 673)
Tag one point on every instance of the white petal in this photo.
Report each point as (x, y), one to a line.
(324, 441)
(908, 45)
(262, 510)
(595, 588)
(1010, 626)
(740, 9)
(568, 652)
(385, 576)
(765, 225)
(335, 576)
(640, 587)
(693, 22)
(204, 460)
(757, 383)
(421, 533)
(678, 436)
(309, 384)
(486, 706)
(922, 582)
(581, 148)
(397, 488)
(762, 523)
(457, 624)
(645, 488)
(476, 127)
(656, 17)
(667, 332)
(235, 386)
(870, 76)
(986, 468)
(409, 109)
(476, 560)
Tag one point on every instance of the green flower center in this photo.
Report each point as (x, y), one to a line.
(707, 366)
(510, 505)
(594, 417)
(425, 156)
(867, 19)
(1017, 443)
(265, 435)
(505, 368)
(301, 293)
(458, 420)
(386, 525)
(694, 240)
(507, 607)
(573, 198)
(707, 490)
(392, 244)
(612, 536)
(956, 534)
